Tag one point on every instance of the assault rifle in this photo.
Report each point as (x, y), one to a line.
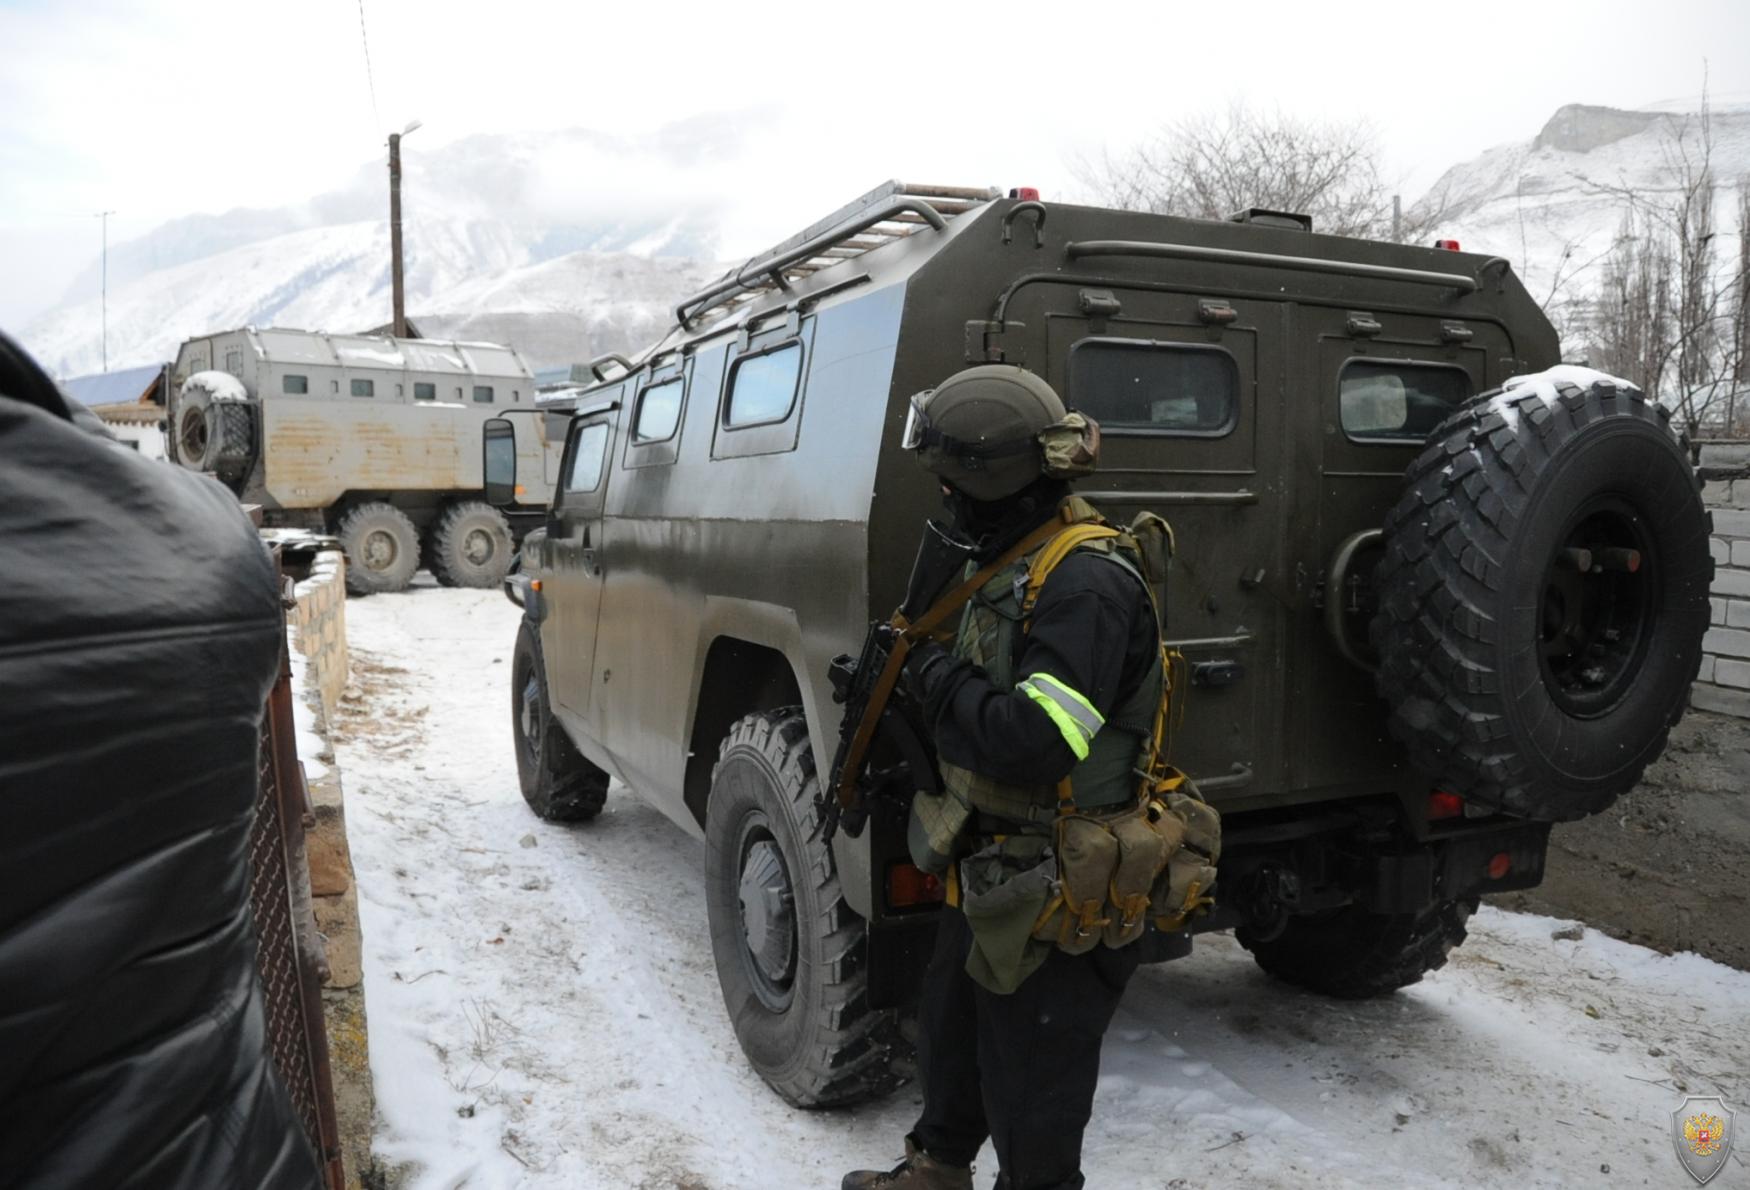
(882, 722)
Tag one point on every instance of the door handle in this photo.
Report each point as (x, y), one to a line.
(591, 563)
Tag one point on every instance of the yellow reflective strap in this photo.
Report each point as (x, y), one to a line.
(1074, 715)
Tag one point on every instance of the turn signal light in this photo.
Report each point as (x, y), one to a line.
(1444, 805)
(909, 886)
(1500, 865)
(534, 584)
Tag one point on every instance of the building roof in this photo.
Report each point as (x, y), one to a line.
(113, 388)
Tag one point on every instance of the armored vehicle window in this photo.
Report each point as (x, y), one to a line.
(483, 393)
(588, 451)
(762, 388)
(1398, 402)
(1141, 386)
(234, 362)
(424, 392)
(659, 412)
(334, 386)
(294, 384)
(364, 388)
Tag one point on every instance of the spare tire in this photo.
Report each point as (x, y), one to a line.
(1543, 595)
(215, 425)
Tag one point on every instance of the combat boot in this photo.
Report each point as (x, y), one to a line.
(919, 1171)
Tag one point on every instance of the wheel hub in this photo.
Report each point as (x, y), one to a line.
(477, 547)
(1597, 608)
(768, 919)
(529, 715)
(380, 549)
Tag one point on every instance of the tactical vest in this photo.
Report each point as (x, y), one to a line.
(990, 636)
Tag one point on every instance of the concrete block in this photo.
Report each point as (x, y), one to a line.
(1731, 582)
(1726, 642)
(1735, 674)
(1738, 613)
(1740, 494)
(1707, 697)
(1717, 609)
(1741, 553)
(1719, 547)
(1732, 522)
(1725, 454)
(1706, 672)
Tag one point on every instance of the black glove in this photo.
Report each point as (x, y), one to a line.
(931, 675)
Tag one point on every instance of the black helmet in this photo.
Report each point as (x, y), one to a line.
(992, 430)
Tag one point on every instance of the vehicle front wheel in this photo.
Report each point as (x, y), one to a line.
(789, 950)
(557, 782)
(1353, 955)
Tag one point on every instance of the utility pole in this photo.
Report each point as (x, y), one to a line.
(1397, 218)
(398, 323)
(104, 215)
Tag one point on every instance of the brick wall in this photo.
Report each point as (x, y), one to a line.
(319, 625)
(1724, 682)
(319, 677)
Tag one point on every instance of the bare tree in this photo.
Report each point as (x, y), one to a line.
(1632, 325)
(1209, 166)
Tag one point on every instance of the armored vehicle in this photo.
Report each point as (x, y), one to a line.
(374, 439)
(1423, 615)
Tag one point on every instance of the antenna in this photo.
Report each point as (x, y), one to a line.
(104, 215)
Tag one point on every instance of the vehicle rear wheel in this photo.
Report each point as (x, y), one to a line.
(1353, 955)
(1543, 595)
(382, 548)
(557, 782)
(788, 948)
(470, 546)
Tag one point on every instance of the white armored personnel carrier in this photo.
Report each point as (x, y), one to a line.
(372, 438)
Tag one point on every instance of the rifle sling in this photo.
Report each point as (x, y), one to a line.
(911, 631)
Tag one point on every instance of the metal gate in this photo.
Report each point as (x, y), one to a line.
(289, 953)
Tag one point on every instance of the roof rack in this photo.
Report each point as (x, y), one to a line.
(889, 212)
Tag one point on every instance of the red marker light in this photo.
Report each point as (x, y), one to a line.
(1444, 805)
(1025, 193)
(1449, 245)
(908, 886)
(1500, 865)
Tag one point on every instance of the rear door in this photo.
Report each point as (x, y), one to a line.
(1179, 384)
(1383, 382)
(573, 573)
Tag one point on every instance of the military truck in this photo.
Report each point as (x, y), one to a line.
(371, 438)
(1424, 616)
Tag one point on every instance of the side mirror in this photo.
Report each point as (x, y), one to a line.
(498, 462)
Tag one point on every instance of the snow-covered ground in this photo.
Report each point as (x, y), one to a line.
(544, 1012)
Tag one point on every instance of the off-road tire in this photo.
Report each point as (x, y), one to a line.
(1515, 679)
(1354, 955)
(214, 436)
(824, 1046)
(557, 782)
(470, 546)
(382, 548)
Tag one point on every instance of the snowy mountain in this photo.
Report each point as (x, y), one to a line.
(520, 221)
(570, 244)
(1554, 204)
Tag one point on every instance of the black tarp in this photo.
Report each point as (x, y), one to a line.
(139, 634)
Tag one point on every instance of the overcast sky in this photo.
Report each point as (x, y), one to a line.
(168, 107)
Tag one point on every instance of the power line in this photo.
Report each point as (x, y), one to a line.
(369, 77)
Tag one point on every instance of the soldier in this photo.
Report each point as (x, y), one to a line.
(1022, 710)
